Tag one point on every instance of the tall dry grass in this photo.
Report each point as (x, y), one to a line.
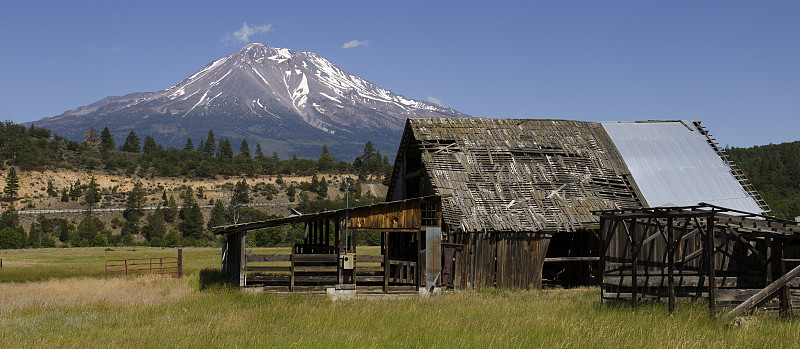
(87, 292)
(194, 312)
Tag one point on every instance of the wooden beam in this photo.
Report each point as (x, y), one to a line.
(764, 293)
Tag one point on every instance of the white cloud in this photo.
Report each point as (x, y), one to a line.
(48, 61)
(242, 36)
(356, 43)
(434, 100)
(116, 50)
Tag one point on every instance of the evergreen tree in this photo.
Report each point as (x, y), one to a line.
(211, 144)
(193, 225)
(107, 140)
(326, 160)
(12, 235)
(225, 149)
(189, 145)
(131, 144)
(322, 188)
(244, 149)
(75, 190)
(150, 147)
(171, 211)
(134, 205)
(51, 191)
(92, 194)
(64, 195)
(91, 232)
(12, 186)
(259, 154)
(156, 228)
(188, 201)
(218, 215)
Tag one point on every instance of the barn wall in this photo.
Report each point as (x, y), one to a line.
(506, 260)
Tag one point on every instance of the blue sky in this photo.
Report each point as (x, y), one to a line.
(734, 65)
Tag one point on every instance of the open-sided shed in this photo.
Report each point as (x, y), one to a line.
(327, 257)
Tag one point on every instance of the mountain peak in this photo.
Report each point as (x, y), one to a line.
(296, 101)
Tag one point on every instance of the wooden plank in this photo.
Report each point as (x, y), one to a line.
(319, 258)
(662, 281)
(268, 258)
(268, 268)
(571, 259)
(315, 268)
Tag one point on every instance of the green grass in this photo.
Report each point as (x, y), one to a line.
(173, 313)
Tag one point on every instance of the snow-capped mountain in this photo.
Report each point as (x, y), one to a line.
(291, 102)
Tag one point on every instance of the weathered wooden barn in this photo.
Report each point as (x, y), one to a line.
(518, 195)
(481, 202)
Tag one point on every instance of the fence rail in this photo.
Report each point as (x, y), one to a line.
(167, 266)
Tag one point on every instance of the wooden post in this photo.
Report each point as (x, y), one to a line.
(291, 262)
(601, 264)
(634, 264)
(339, 251)
(671, 264)
(242, 259)
(712, 280)
(180, 263)
(419, 259)
(385, 251)
(767, 257)
(785, 295)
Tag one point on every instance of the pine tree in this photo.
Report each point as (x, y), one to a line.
(189, 145)
(244, 149)
(12, 186)
(12, 235)
(156, 227)
(193, 225)
(211, 144)
(64, 195)
(259, 154)
(188, 201)
(171, 211)
(322, 188)
(51, 191)
(92, 194)
(150, 147)
(107, 140)
(134, 205)
(326, 160)
(225, 149)
(218, 214)
(131, 143)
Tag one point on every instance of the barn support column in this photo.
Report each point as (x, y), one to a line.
(712, 283)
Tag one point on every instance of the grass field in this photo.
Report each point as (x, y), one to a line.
(58, 298)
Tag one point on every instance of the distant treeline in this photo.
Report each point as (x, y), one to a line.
(774, 170)
(35, 148)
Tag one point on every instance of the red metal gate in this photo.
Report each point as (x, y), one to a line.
(167, 266)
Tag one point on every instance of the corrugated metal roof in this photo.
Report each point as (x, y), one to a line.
(673, 164)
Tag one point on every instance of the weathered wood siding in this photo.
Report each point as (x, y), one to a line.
(509, 260)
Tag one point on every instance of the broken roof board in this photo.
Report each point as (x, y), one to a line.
(673, 164)
(520, 174)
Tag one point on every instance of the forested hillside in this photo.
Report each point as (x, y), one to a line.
(774, 170)
(174, 216)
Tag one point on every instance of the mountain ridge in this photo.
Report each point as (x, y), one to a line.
(291, 102)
